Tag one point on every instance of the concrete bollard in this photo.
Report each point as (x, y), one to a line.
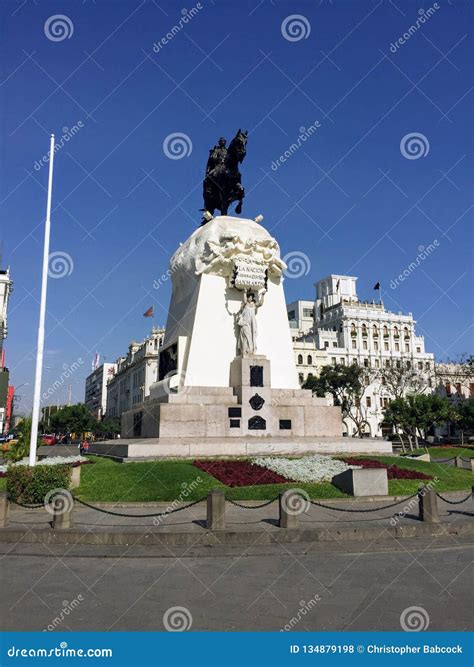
(215, 510)
(290, 509)
(428, 505)
(4, 509)
(472, 465)
(75, 477)
(458, 462)
(62, 514)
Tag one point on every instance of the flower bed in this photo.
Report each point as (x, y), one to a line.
(393, 471)
(73, 461)
(240, 473)
(315, 468)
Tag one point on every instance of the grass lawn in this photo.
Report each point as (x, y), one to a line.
(108, 481)
(3, 483)
(445, 452)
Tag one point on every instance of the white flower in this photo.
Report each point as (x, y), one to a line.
(51, 461)
(314, 468)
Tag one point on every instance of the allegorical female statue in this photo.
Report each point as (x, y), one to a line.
(247, 322)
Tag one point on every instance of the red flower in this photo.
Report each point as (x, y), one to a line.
(240, 473)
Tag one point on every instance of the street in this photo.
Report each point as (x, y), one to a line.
(353, 586)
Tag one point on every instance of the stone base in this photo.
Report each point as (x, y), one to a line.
(149, 449)
(362, 482)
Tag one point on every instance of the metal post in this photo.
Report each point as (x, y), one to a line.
(215, 510)
(44, 289)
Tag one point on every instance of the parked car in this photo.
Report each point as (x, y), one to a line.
(49, 439)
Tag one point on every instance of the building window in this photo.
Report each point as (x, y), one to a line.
(406, 333)
(353, 330)
(418, 349)
(368, 402)
(377, 363)
(310, 360)
(407, 347)
(396, 333)
(471, 388)
(343, 361)
(427, 365)
(364, 329)
(375, 331)
(387, 363)
(326, 343)
(376, 346)
(381, 402)
(385, 332)
(308, 312)
(301, 378)
(334, 344)
(448, 388)
(420, 365)
(458, 388)
(333, 361)
(357, 401)
(408, 365)
(399, 364)
(364, 344)
(366, 380)
(354, 344)
(300, 359)
(383, 380)
(291, 315)
(385, 402)
(397, 347)
(385, 347)
(366, 363)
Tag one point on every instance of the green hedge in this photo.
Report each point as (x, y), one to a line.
(30, 485)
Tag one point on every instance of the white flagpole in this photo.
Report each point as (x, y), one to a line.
(44, 289)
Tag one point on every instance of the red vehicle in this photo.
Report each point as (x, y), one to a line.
(49, 439)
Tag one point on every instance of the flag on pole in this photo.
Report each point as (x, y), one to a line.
(377, 286)
(149, 312)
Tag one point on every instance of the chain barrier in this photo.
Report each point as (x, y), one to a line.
(465, 460)
(140, 516)
(454, 502)
(444, 460)
(372, 509)
(252, 507)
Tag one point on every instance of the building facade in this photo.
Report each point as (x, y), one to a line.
(134, 374)
(300, 316)
(347, 330)
(96, 389)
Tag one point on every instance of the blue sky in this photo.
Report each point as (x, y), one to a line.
(348, 198)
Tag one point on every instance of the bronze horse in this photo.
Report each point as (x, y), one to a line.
(222, 184)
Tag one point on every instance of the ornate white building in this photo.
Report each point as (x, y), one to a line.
(347, 330)
(134, 374)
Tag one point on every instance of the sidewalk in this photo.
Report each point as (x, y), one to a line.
(242, 525)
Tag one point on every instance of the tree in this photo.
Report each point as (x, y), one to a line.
(465, 417)
(19, 450)
(72, 419)
(415, 414)
(401, 380)
(347, 385)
